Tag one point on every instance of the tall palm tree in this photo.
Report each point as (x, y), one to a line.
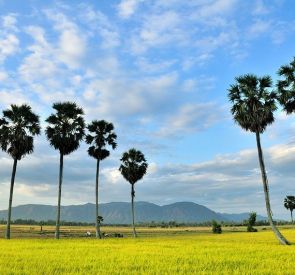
(286, 87)
(133, 168)
(253, 107)
(101, 134)
(18, 126)
(289, 203)
(64, 133)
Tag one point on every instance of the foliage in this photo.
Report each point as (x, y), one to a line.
(251, 222)
(253, 103)
(66, 127)
(286, 87)
(101, 133)
(289, 203)
(18, 126)
(216, 227)
(134, 166)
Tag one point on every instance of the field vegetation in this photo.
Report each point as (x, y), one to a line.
(185, 250)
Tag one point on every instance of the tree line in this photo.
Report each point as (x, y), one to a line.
(66, 128)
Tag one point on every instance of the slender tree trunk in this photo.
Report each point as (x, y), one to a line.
(277, 233)
(132, 210)
(61, 160)
(7, 235)
(97, 224)
(292, 216)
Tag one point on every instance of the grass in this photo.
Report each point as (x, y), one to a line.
(187, 253)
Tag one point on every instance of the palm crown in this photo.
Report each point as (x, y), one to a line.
(18, 126)
(66, 127)
(134, 166)
(101, 134)
(289, 202)
(253, 103)
(286, 87)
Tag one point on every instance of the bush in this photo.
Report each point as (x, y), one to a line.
(251, 228)
(251, 222)
(216, 227)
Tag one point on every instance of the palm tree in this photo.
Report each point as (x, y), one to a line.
(289, 203)
(100, 135)
(253, 107)
(133, 168)
(64, 133)
(286, 87)
(18, 126)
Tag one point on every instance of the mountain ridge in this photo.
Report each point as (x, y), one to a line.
(119, 213)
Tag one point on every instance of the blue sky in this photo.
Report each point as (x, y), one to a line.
(159, 70)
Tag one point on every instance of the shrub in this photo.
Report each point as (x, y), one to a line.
(216, 227)
(251, 222)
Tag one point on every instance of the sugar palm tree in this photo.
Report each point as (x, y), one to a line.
(286, 87)
(133, 168)
(64, 133)
(289, 203)
(253, 107)
(18, 126)
(101, 134)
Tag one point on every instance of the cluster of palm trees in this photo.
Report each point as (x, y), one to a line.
(65, 131)
(254, 101)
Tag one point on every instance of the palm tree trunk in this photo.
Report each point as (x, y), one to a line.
(7, 235)
(97, 224)
(132, 209)
(61, 164)
(292, 216)
(277, 233)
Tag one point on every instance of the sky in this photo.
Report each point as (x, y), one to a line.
(159, 70)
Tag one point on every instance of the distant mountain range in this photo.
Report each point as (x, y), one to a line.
(119, 213)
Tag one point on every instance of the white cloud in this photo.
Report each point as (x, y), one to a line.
(9, 22)
(8, 46)
(259, 27)
(191, 118)
(127, 7)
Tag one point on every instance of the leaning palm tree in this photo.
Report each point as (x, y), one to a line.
(101, 134)
(64, 132)
(253, 107)
(133, 168)
(18, 126)
(286, 87)
(289, 203)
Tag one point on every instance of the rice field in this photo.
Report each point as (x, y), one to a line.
(187, 253)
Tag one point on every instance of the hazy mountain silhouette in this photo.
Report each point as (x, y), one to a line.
(119, 213)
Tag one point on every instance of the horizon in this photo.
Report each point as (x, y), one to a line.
(159, 71)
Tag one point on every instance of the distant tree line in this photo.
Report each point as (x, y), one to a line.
(152, 224)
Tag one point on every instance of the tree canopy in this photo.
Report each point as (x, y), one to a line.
(66, 127)
(101, 134)
(134, 165)
(18, 126)
(253, 103)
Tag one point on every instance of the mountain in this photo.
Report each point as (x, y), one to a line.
(119, 213)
